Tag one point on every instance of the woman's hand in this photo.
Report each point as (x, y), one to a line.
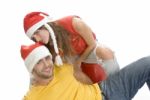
(77, 63)
(82, 77)
(79, 75)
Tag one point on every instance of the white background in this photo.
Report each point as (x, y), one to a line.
(123, 25)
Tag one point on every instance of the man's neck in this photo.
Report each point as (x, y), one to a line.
(38, 81)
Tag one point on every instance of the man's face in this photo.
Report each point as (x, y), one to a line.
(44, 68)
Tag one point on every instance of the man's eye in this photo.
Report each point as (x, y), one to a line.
(48, 57)
(38, 62)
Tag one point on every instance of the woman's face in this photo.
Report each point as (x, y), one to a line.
(41, 35)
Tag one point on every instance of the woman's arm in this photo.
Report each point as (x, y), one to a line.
(81, 77)
(86, 33)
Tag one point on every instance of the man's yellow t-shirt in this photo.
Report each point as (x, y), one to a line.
(64, 87)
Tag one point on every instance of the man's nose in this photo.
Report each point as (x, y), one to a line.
(46, 63)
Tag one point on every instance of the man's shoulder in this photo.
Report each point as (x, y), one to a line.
(65, 68)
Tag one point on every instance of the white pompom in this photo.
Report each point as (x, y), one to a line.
(58, 61)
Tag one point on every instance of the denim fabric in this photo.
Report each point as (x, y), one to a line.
(124, 84)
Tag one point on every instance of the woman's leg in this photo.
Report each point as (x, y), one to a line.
(111, 66)
(124, 84)
(108, 59)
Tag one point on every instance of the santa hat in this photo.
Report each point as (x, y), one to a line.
(35, 20)
(32, 54)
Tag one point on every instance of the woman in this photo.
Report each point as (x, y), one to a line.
(76, 42)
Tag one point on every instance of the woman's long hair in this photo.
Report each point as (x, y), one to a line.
(63, 41)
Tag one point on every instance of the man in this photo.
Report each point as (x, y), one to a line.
(59, 83)
(54, 83)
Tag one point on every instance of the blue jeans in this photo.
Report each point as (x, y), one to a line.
(124, 84)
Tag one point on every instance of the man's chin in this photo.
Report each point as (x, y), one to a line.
(48, 76)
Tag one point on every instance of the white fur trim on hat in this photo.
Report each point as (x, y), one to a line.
(37, 54)
(32, 29)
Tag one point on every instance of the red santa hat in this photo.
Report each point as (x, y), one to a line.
(34, 21)
(32, 54)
